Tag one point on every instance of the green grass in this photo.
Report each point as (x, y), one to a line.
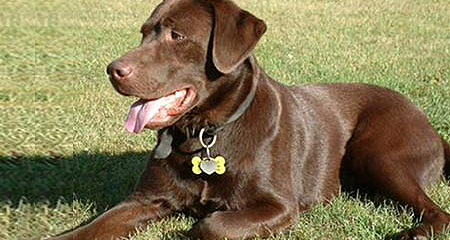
(65, 155)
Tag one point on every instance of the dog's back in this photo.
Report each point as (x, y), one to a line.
(387, 119)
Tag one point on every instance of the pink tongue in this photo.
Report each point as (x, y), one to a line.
(144, 111)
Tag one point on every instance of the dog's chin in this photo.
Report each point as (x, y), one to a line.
(160, 112)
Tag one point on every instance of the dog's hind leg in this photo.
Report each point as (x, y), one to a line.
(403, 187)
(399, 172)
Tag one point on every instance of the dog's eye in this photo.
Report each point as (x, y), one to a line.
(177, 36)
(157, 28)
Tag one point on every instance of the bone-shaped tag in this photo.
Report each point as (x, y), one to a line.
(208, 166)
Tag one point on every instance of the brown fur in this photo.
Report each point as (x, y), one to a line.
(284, 153)
(447, 158)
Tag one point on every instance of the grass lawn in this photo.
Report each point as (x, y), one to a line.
(65, 155)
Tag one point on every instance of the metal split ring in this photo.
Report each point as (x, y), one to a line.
(203, 143)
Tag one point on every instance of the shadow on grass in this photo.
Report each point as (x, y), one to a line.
(100, 178)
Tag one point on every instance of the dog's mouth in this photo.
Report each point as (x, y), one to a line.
(159, 112)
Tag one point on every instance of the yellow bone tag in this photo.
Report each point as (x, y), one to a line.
(208, 165)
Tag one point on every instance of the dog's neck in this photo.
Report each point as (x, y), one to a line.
(234, 93)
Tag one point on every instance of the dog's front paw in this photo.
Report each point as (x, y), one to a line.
(411, 234)
(201, 231)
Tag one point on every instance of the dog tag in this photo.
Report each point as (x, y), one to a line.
(208, 166)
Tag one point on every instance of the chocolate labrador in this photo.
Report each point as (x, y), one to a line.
(247, 154)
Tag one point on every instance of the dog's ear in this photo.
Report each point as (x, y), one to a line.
(236, 33)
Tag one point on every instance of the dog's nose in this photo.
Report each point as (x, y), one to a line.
(119, 70)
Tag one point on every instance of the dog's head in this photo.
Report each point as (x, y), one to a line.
(186, 48)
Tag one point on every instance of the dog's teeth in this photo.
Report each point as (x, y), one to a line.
(179, 93)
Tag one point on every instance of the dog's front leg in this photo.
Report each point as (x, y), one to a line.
(261, 220)
(117, 222)
(153, 199)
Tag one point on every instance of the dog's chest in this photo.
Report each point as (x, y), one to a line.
(211, 197)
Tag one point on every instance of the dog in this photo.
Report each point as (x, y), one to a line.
(247, 154)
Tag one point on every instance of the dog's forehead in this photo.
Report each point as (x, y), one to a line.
(164, 7)
(186, 13)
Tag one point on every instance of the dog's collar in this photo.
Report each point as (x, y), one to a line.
(164, 147)
(213, 129)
